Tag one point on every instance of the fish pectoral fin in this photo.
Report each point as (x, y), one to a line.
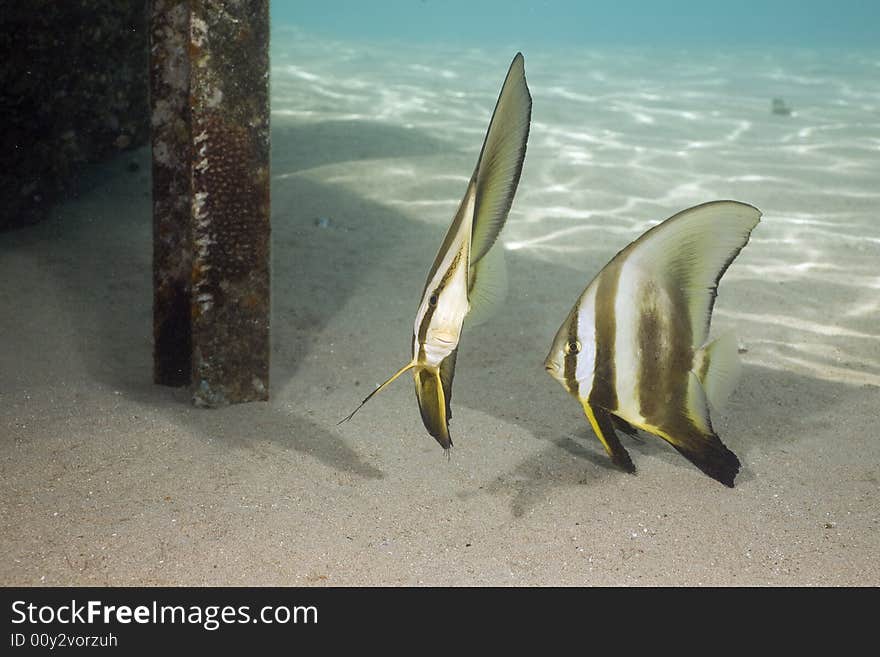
(432, 405)
(381, 387)
(487, 287)
(601, 421)
(501, 159)
(717, 366)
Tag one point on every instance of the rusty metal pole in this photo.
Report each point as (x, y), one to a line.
(210, 114)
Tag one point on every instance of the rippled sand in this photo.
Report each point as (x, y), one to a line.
(105, 478)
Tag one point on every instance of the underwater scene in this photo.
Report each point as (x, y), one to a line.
(643, 238)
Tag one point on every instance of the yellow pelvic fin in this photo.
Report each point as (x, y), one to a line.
(381, 387)
(600, 420)
(432, 405)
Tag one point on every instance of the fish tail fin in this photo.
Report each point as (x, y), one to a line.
(603, 427)
(717, 366)
(432, 405)
(381, 387)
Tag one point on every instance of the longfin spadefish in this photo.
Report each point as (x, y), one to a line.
(691, 251)
(500, 164)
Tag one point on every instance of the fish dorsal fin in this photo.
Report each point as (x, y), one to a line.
(691, 250)
(487, 287)
(718, 367)
(498, 170)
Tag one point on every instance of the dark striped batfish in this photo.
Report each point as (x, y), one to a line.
(634, 348)
(468, 275)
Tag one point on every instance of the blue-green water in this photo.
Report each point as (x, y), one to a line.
(635, 117)
(802, 23)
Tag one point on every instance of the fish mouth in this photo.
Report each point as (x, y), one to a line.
(445, 339)
(552, 368)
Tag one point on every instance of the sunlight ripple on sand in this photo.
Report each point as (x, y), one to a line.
(624, 139)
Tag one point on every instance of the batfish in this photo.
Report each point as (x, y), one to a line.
(634, 348)
(468, 275)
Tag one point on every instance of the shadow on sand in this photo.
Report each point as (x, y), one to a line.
(101, 259)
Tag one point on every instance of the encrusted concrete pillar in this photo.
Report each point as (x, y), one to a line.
(210, 119)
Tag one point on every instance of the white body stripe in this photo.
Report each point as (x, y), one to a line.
(627, 353)
(452, 306)
(444, 331)
(586, 329)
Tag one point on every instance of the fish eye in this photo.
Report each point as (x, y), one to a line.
(572, 347)
(433, 300)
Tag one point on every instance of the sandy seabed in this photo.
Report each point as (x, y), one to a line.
(108, 479)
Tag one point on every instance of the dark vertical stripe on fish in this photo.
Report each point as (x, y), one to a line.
(604, 392)
(650, 374)
(665, 341)
(571, 357)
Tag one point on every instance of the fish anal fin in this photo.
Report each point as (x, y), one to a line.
(601, 421)
(432, 405)
(701, 447)
(707, 452)
(487, 286)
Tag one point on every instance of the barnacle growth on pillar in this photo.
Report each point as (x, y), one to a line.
(211, 198)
